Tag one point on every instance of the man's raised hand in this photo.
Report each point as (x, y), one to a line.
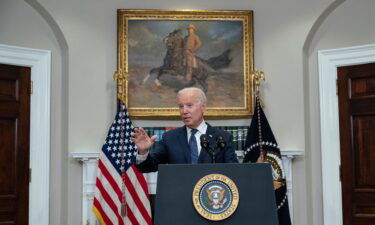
(142, 140)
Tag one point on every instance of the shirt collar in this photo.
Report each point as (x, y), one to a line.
(202, 128)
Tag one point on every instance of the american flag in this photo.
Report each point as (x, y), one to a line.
(121, 194)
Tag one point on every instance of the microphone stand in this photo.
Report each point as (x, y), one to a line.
(220, 144)
(206, 146)
(212, 152)
(213, 156)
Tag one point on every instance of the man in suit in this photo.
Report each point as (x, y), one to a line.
(182, 145)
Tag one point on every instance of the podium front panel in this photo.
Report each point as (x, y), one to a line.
(176, 182)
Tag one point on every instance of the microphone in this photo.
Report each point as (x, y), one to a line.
(204, 142)
(206, 146)
(221, 143)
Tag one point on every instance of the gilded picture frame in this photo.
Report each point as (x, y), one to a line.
(154, 61)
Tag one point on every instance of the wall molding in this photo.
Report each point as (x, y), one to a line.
(40, 63)
(329, 60)
(89, 170)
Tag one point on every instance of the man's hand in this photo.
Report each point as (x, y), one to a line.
(261, 158)
(277, 184)
(142, 140)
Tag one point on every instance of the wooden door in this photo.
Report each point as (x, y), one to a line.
(356, 91)
(14, 144)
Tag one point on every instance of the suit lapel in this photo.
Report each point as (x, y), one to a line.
(211, 135)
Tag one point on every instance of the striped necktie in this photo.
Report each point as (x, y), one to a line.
(193, 147)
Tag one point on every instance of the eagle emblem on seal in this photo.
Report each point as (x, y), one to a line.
(216, 195)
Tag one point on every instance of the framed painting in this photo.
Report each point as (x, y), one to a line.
(160, 52)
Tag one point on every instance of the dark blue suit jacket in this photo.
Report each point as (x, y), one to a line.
(173, 148)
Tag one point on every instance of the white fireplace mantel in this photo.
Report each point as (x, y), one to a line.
(89, 169)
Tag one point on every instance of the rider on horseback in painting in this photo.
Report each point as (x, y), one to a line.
(192, 44)
(182, 63)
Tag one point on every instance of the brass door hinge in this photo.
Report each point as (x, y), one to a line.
(31, 87)
(337, 86)
(30, 170)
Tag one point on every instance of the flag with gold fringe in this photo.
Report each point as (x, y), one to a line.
(261, 146)
(121, 194)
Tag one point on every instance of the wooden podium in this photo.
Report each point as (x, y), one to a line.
(176, 184)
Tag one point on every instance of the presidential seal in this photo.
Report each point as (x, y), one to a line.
(215, 197)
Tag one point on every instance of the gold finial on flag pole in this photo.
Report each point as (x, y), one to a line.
(258, 76)
(121, 78)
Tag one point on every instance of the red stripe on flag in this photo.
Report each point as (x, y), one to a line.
(110, 179)
(102, 213)
(109, 201)
(137, 201)
(131, 217)
(141, 180)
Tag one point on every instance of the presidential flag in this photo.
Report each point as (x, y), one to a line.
(121, 194)
(261, 146)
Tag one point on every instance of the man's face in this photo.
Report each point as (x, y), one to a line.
(191, 109)
(191, 31)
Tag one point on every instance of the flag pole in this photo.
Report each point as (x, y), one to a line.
(258, 77)
(260, 136)
(121, 79)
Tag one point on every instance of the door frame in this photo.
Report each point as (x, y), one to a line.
(328, 61)
(40, 63)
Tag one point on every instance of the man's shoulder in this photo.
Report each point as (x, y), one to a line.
(217, 131)
(175, 131)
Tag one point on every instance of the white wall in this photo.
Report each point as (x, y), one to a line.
(20, 25)
(351, 24)
(82, 38)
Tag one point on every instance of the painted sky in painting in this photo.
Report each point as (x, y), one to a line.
(146, 38)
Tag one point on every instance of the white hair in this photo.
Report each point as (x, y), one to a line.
(200, 94)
